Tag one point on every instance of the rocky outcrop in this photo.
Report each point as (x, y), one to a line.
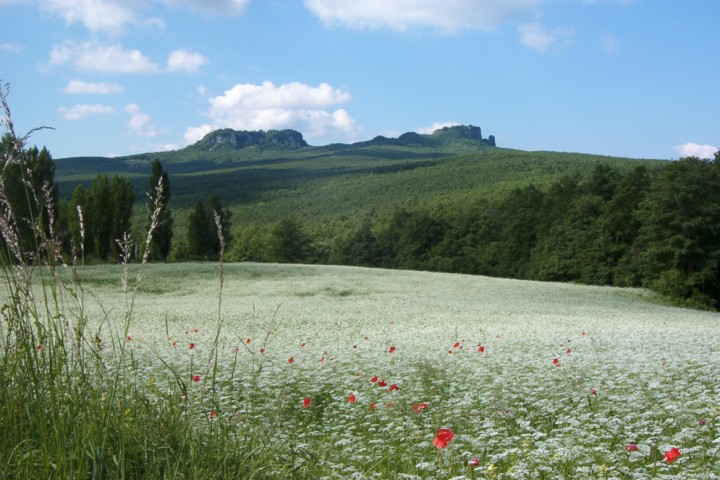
(229, 139)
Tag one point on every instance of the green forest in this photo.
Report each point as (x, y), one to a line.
(449, 202)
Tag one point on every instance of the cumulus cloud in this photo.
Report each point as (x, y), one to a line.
(96, 15)
(267, 106)
(99, 57)
(140, 122)
(691, 149)
(113, 16)
(78, 86)
(538, 37)
(81, 111)
(445, 15)
(436, 126)
(185, 61)
(114, 58)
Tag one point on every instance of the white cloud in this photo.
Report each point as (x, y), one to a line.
(164, 147)
(185, 61)
(609, 44)
(292, 105)
(227, 7)
(98, 57)
(96, 15)
(538, 37)
(78, 86)
(445, 15)
(114, 58)
(140, 123)
(691, 149)
(156, 22)
(12, 47)
(112, 16)
(81, 111)
(436, 126)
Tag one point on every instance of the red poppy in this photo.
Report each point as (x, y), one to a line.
(248, 340)
(196, 378)
(392, 349)
(593, 391)
(672, 455)
(556, 362)
(174, 344)
(443, 437)
(702, 421)
(568, 351)
(474, 462)
(192, 345)
(456, 344)
(291, 360)
(419, 407)
(481, 349)
(262, 349)
(352, 398)
(631, 447)
(373, 406)
(39, 347)
(373, 379)
(129, 338)
(382, 383)
(213, 414)
(306, 402)
(394, 387)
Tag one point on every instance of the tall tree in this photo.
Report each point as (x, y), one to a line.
(203, 239)
(28, 185)
(288, 242)
(159, 199)
(123, 198)
(100, 216)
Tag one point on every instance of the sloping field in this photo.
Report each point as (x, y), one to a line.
(336, 372)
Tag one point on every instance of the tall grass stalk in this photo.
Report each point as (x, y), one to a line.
(74, 402)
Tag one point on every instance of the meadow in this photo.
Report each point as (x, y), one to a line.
(289, 371)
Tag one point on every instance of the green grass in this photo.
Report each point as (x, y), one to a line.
(111, 394)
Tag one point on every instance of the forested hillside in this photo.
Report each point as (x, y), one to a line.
(451, 201)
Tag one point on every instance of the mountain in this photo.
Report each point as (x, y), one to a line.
(265, 175)
(228, 139)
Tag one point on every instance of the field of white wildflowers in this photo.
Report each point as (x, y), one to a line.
(352, 373)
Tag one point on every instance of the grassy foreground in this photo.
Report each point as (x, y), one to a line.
(276, 371)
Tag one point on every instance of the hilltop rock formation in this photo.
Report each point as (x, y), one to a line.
(229, 139)
(464, 131)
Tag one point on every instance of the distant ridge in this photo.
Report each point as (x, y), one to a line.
(439, 138)
(228, 139)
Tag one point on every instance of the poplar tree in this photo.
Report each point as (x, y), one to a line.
(158, 199)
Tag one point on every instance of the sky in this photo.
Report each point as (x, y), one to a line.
(628, 78)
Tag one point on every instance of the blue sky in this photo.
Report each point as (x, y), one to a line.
(636, 78)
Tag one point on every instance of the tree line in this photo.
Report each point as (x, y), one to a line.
(95, 225)
(639, 229)
(658, 230)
